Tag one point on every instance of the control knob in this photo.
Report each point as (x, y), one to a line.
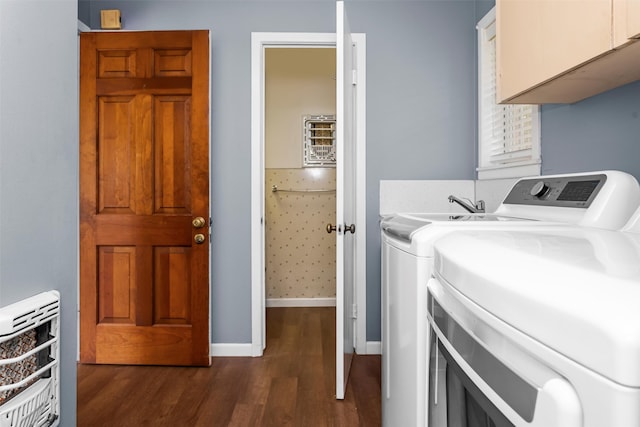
(539, 189)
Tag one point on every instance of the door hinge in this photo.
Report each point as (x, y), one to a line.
(354, 77)
(354, 311)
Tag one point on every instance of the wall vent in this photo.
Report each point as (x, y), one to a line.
(319, 140)
(29, 362)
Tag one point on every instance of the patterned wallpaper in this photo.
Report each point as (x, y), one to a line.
(300, 254)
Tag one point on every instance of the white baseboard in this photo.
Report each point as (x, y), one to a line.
(301, 302)
(247, 350)
(374, 347)
(231, 350)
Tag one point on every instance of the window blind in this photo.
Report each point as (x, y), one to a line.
(507, 130)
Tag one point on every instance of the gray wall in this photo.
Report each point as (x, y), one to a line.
(38, 164)
(421, 97)
(420, 113)
(602, 132)
(84, 11)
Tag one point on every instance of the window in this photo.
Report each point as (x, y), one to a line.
(509, 135)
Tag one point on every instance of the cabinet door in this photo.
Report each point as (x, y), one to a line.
(539, 40)
(626, 21)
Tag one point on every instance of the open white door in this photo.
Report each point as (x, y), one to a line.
(345, 199)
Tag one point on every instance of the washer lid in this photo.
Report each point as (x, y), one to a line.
(576, 290)
(404, 226)
(401, 227)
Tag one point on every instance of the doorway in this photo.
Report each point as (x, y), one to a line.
(261, 42)
(300, 176)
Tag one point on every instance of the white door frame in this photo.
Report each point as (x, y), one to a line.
(260, 41)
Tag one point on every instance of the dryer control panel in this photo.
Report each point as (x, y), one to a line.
(563, 191)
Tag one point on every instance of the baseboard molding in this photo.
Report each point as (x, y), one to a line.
(247, 350)
(301, 302)
(374, 347)
(231, 350)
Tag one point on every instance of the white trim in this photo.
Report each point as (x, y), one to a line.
(210, 207)
(360, 335)
(258, 304)
(258, 330)
(261, 40)
(373, 347)
(82, 27)
(510, 171)
(231, 350)
(487, 19)
(301, 302)
(246, 350)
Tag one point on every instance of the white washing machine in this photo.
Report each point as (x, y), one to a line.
(536, 328)
(601, 199)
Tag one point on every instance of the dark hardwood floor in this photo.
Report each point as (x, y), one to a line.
(291, 385)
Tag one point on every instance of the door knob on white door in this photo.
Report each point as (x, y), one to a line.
(351, 228)
(331, 228)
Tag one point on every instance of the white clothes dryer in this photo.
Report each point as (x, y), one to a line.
(599, 199)
(536, 328)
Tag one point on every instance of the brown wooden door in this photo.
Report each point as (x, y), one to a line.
(144, 177)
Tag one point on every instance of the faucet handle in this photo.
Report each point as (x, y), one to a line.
(480, 206)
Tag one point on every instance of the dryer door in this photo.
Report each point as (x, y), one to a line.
(480, 378)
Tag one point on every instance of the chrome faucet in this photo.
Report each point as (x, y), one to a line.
(468, 206)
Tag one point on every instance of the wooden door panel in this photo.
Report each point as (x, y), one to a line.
(116, 284)
(151, 86)
(153, 229)
(172, 62)
(115, 344)
(117, 63)
(144, 176)
(116, 154)
(172, 291)
(149, 39)
(172, 148)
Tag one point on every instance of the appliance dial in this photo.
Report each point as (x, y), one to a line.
(539, 189)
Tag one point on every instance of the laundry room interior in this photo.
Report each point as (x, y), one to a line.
(260, 229)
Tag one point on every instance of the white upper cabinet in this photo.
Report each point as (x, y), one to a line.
(562, 51)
